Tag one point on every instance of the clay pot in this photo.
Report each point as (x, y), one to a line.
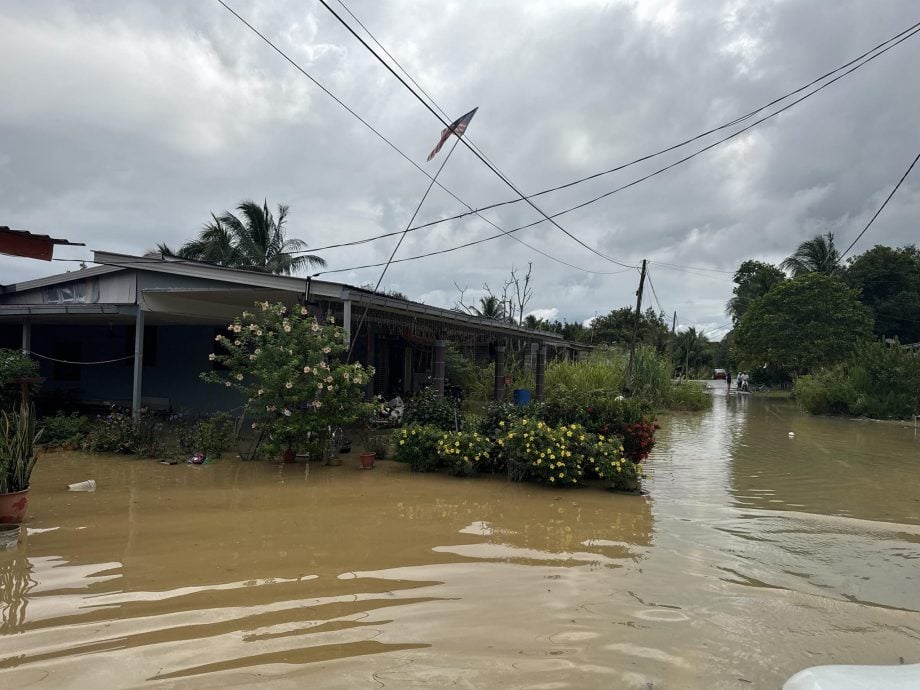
(13, 506)
(367, 460)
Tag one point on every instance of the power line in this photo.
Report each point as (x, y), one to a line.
(884, 204)
(485, 162)
(648, 276)
(898, 38)
(471, 211)
(695, 268)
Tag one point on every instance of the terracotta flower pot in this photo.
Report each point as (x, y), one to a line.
(13, 506)
(367, 460)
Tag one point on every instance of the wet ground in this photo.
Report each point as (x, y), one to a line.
(755, 555)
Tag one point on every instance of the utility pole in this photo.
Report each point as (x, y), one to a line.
(632, 346)
(671, 342)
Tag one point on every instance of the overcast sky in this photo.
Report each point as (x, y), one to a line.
(127, 124)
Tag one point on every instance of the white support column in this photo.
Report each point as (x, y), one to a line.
(26, 338)
(138, 362)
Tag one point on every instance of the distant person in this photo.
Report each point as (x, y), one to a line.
(728, 380)
(738, 382)
(744, 383)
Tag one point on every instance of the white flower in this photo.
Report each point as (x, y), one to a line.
(258, 350)
(323, 365)
(260, 391)
(237, 343)
(287, 412)
(212, 356)
(258, 332)
(230, 327)
(264, 305)
(218, 337)
(329, 387)
(303, 311)
(289, 385)
(328, 379)
(307, 370)
(253, 327)
(320, 385)
(314, 327)
(327, 349)
(254, 425)
(357, 365)
(317, 404)
(227, 384)
(252, 356)
(239, 377)
(237, 328)
(287, 329)
(346, 376)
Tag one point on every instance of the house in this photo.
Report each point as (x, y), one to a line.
(137, 331)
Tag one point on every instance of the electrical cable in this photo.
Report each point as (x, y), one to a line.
(446, 124)
(884, 203)
(648, 277)
(471, 211)
(902, 36)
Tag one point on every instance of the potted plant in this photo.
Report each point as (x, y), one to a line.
(18, 443)
(368, 455)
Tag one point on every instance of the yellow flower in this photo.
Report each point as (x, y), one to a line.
(561, 475)
(552, 479)
(501, 423)
(402, 442)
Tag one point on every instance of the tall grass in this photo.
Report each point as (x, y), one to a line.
(603, 374)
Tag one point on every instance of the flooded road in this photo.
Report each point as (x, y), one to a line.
(755, 555)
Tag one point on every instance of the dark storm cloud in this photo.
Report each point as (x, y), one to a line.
(126, 125)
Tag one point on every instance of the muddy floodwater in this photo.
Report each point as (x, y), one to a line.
(755, 555)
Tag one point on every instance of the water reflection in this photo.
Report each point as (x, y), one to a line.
(754, 556)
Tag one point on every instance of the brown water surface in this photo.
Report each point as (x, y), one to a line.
(755, 555)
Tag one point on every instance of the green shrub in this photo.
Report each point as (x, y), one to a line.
(379, 444)
(430, 409)
(500, 411)
(417, 445)
(878, 381)
(117, 432)
(14, 365)
(209, 436)
(64, 430)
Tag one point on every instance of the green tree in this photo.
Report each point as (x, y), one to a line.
(617, 328)
(255, 240)
(802, 324)
(817, 255)
(490, 307)
(888, 281)
(692, 351)
(753, 280)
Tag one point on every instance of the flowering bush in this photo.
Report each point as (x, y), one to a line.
(417, 444)
(639, 439)
(527, 449)
(462, 453)
(630, 419)
(287, 363)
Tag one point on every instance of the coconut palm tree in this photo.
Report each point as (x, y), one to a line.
(254, 240)
(490, 307)
(818, 255)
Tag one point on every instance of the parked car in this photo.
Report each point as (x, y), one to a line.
(720, 374)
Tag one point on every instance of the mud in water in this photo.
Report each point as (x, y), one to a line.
(755, 555)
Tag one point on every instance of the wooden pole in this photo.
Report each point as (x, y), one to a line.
(632, 345)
